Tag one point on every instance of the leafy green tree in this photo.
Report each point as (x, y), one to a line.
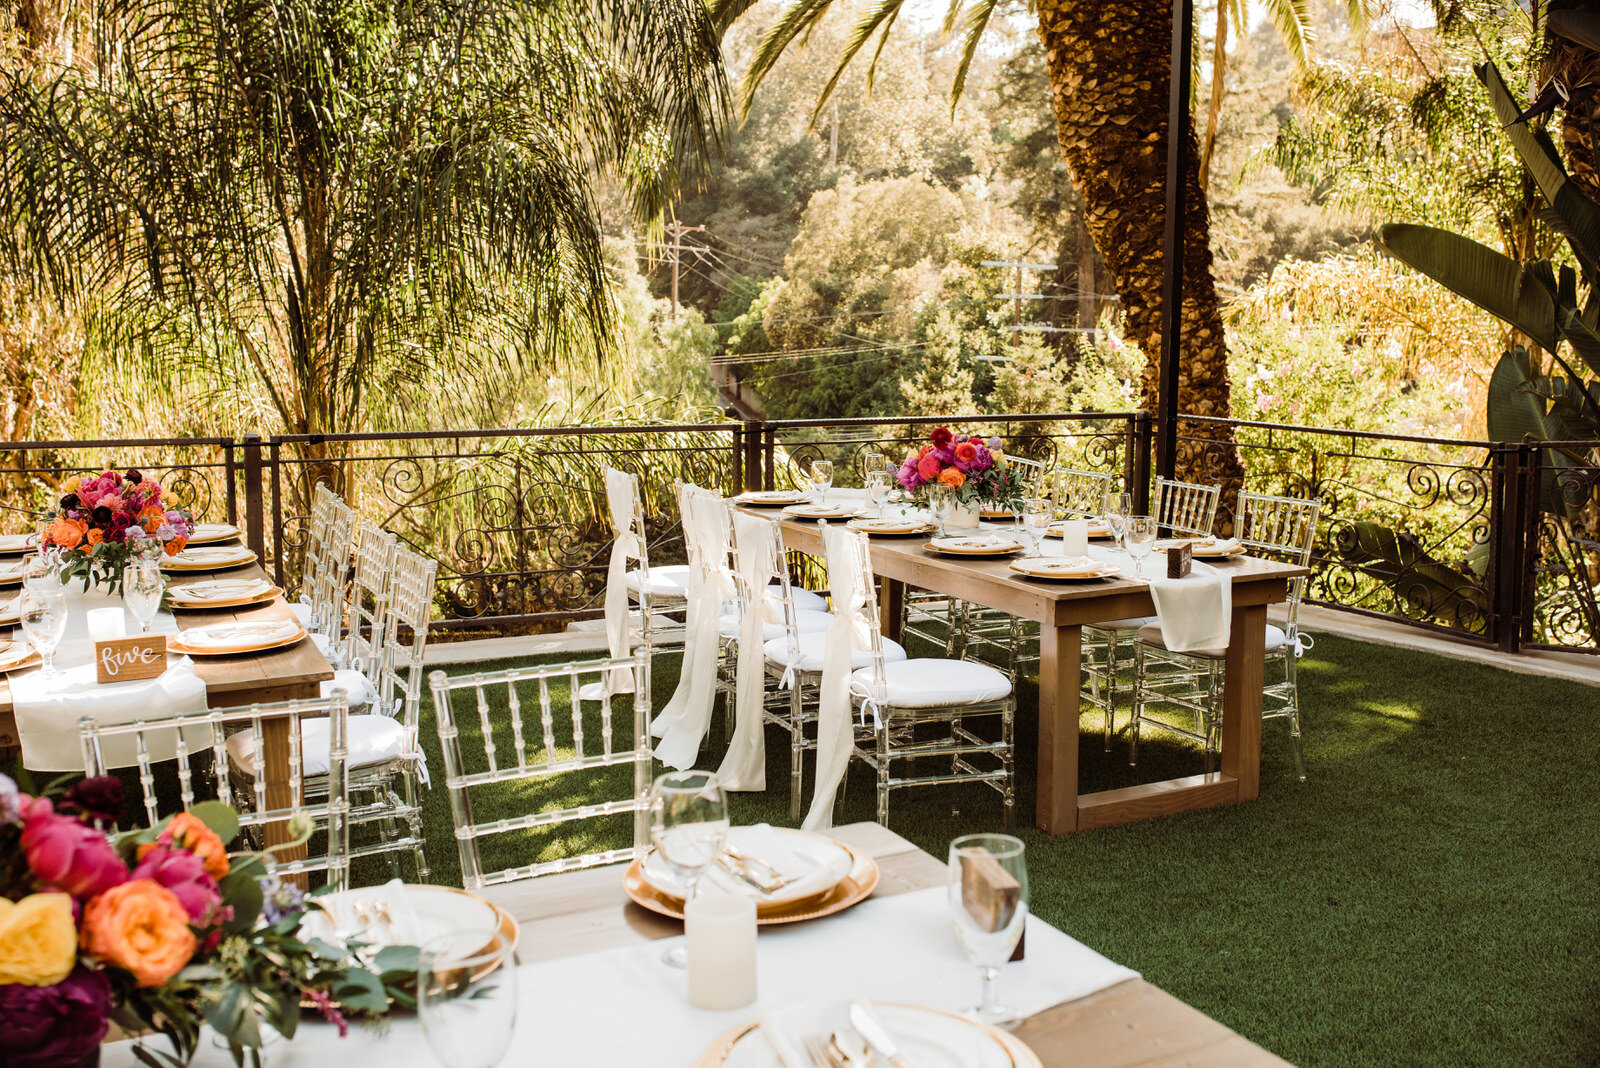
(323, 207)
(942, 384)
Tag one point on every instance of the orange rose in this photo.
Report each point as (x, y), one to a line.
(67, 533)
(175, 546)
(950, 476)
(151, 518)
(140, 926)
(190, 832)
(95, 536)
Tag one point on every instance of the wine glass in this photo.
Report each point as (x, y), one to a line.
(1141, 538)
(1035, 520)
(941, 501)
(877, 491)
(142, 587)
(467, 997)
(821, 479)
(688, 821)
(1117, 506)
(872, 463)
(43, 613)
(988, 882)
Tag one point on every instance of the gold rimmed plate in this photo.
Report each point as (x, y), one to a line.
(1060, 569)
(1098, 528)
(857, 885)
(772, 498)
(12, 571)
(231, 639)
(17, 544)
(823, 511)
(209, 558)
(222, 593)
(11, 611)
(996, 515)
(209, 533)
(1204, 548)
(891, 528)
(928, 1037)
(974, 545)
(14, 656)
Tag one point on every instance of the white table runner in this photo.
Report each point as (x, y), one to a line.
(623, 1007)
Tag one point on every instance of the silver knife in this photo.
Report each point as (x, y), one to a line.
(867, 1024)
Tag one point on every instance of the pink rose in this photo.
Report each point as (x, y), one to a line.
(184, 873)
(982, 458)
(909, 479)
(69, 855)
(928, 467)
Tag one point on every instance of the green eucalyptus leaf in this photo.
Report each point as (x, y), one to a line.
(243, 892)
(397, 959)
(324, 950)
(221, 819)
(360, 990)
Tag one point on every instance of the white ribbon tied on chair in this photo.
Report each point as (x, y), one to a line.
(620, 495)
(681, 726)
(745, 765)
(848, 631)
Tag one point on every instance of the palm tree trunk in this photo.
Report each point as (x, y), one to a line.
(1109, 78)
(1219, 75)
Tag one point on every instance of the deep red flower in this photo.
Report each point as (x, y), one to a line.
(941, 437)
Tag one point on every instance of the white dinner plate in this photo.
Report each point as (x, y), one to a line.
(1060, 568)
(928, 1038)
(11, 611)
(216, 591)
(209, 559)
(11, 571)
(438, 910)
(975, 544)
(1098, 528)
(887, 525)
(1204, 547)
(206, 533)
(224, 639)
(14, 653)
(822, 860)
(772, 498)
(823, 511)
(17, 544)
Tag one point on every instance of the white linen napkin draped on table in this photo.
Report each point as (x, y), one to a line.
(681, 725)
(1195, 612)
(48, 710)
(744, 767)
(848, 631)
(898, 949)
(621, 493)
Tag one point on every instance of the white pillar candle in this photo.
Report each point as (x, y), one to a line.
(1074, 538)
(720, 937)
(106, 624)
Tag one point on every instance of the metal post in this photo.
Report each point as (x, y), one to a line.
(1172, 262)
(255, 519)
(1139, 461)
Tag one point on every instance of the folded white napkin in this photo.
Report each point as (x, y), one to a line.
(220, 590)
(1218, 545)
(212, 555)
(1195, 612)
(48, 711)
(811, 874)
(217, 635)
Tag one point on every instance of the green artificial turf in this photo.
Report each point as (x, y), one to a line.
(1429, 895)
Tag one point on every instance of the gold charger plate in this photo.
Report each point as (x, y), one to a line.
(14, 656)
(895, 530)
(175, 643)
(995, 550)
(210, 533)
(175, 595)
(1101, 531)
(17, 544)
(998, 515)
(11, 612)
(1202, 549)
(821, 511)
(1021, 1054)
(857, 885)
(1029, 569)
(208, 562)
(772, 498)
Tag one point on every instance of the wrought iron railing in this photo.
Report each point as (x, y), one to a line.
(1491, 542)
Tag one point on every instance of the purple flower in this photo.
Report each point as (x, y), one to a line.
(10, 800)
(994, 442)
(279, 899)
(982, 459)
(98, 798)
(166, 532)
(47, 1026)
(136, 533)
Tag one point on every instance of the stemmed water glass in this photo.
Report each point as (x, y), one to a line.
(941, 501)
(988, 884)
(142, 587)
(821, 479)
(872, 463)
(877, 491)
(688, 822)
(1036, 516)
(43, 611)
(1141, 538)
(1117, 506)
(467, 997)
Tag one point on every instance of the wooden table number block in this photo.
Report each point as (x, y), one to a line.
(143, 656)
(990, 893)
(1179, 559)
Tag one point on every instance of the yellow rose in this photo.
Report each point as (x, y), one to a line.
(71, 485)
(38, 939)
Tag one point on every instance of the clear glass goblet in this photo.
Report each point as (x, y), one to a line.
(1035, 520)
(1141, 539)
(688, 823)
(988, 887)
(941, 502)
(43, 614)
(821, 479)
(1117, 506)
(142, 586)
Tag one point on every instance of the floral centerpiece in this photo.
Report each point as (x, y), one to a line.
(160, 930)
(101, 523)
(975, 467)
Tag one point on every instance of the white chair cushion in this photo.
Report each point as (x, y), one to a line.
(1151, 635)
(302, 612)
(1132, 623)
(667, 580)
(805, 623)
(358, 691)
(373, 740)
(933, 683)
(804, 600)
(812, 647)
(323, 643)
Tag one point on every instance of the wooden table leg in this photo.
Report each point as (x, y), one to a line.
(891, 606)
(1060, 656)
(1241, 698)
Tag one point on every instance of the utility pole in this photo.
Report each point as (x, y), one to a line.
(677, 230)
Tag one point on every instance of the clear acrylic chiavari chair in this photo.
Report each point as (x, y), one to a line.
(150, 740)
(525, 727)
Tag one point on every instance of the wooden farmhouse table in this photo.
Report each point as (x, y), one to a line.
(1131, 1023)
(1062, 610)
(289, 673)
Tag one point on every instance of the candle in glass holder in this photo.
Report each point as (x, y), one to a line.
(106, 624)
(1074, 538)
(720, 934)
